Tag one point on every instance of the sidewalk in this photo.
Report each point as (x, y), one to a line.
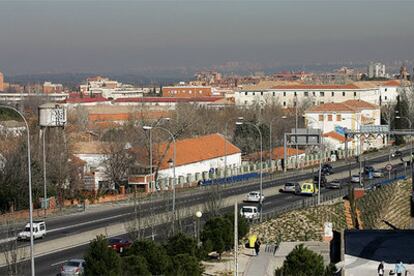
(264, 264)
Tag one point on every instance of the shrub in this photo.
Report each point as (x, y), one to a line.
(101, 260)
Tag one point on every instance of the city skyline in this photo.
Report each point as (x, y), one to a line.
(130, 37)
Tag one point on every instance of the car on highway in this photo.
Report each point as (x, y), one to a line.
(254, 197)
(39, 231)
(327, 169)
(118, 244)
(73, 267)
(378, 174)
(355, 178)
(368, 169)
(336, 184)
(396, 153)
(308, 188)
(250, 212)
(291, 187)
(323, 180)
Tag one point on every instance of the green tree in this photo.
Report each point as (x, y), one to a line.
(247, 138)
(186, 265)
(217, 234)
(243, 226)
(135, 265)
(181, 244)
(100, 259)
(156, 256)
(401, 109)
(303, 262)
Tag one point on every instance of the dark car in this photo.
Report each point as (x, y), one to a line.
(327, 169)
(397, 153)
(119, 245)
(368, 170)
(336, 184)
(323, 180)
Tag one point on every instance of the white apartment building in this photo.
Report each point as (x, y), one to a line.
(376, 70)
(288, 95)
(110, 89)
(333, 118)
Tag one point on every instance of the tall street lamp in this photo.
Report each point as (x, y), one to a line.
(360, 148)
(322, 148)
(29, 170)
(198, 215)
(411, 142)
(261, 164)
(225, 142)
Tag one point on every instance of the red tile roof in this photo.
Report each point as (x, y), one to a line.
(86, 100)
(316, 87)
(190, 150)
(336, 136)
(347, 106)
(277, 154)
(393, 83)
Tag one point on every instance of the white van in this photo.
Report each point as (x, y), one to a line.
(249, 212)
(39, 231)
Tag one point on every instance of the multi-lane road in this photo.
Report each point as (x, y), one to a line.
(66, 226)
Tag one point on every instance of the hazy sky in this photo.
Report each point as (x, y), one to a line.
(126, 36)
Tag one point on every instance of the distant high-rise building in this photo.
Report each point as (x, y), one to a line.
(1, 82)
(376, 70)
(404, 72)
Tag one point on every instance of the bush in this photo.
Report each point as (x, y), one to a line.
(303, 262)
(156, 256)
(185, 264)
(135, 265)
(243, 226)
(101, 260)
(182, 244)
(217, 234)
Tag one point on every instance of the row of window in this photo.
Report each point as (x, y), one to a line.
(189, 92)
(330, 117)
(305, 93)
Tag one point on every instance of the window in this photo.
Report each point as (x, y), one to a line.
(254, 93)
(284, 94)
(295, 94)
(385, 97)
(330, 117)
(321, 102)
(338, 117)
(343, 94)
(274, 94)
(385, 89)
(322, 94)
(261, 93)
(314, 93)
(284, 103)
(333, 94)
(321, 118)
(354, 94)
(245, 93)
(306, 93)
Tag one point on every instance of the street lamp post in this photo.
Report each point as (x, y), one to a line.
(320, 156)
(225, 143)
(44, 170)
(261, 164)
(360, 146)
(198, 215)
(29, 169)
(411, 142)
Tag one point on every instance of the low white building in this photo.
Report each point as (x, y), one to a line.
(336, 117)
(94, 155)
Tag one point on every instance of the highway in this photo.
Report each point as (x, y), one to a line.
(78, 223)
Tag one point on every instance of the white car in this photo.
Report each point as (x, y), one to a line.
(254, 197)
(39, 231)
(355, 178)
(73, 267)
(378, 174)
(250, 212)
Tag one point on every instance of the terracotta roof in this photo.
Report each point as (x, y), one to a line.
(86, 100)
(393, 83)
(336, 136)
(127, 116)
(191, 150)
(316, 87)
(347, 106)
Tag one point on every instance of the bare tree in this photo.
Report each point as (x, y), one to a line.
(13, 253)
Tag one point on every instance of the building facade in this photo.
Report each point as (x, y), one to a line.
(189, 91)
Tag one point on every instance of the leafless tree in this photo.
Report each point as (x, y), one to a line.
(13, 253)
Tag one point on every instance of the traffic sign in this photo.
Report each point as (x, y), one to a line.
(388, 167)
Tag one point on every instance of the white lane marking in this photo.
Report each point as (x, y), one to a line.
(58, 263)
